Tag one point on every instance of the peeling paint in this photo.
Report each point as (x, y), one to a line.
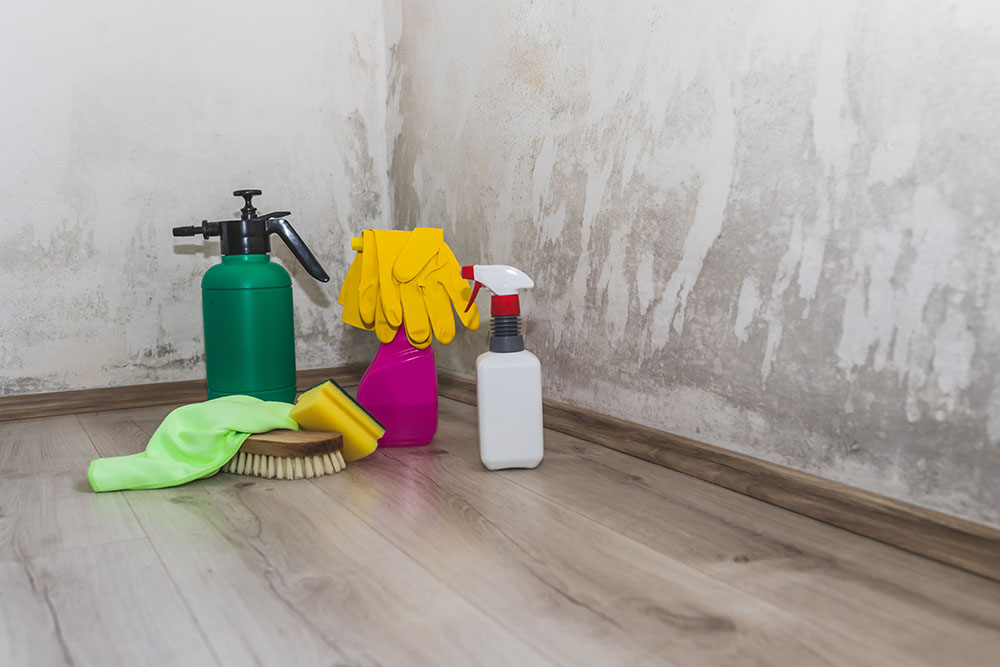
(748, 306)
(708, 217)
(894, 156)
(954, 348)
(773, 314)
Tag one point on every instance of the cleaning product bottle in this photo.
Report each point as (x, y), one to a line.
(399, 389)
(247, 305)
(508, 377)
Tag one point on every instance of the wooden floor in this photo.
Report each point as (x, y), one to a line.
(420, 556)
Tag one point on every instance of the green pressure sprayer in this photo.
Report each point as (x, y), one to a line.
(247, 305)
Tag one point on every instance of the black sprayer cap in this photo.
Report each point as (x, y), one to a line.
(251, 234)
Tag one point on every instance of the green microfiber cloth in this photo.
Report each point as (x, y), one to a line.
(193, 442)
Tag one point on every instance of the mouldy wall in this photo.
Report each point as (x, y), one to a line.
(122, 120)
(772, 227)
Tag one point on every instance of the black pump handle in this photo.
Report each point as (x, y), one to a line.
(248, 195)
(276, 214)
(298, 248)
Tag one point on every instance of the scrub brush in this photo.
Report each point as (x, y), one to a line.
(286, 454)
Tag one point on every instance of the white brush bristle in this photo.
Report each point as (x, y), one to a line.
(284, 467)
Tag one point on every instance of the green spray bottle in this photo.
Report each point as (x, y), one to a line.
(247, 305)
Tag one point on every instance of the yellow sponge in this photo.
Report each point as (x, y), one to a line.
(327, 407)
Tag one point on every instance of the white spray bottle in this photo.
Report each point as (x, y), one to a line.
(508, 377)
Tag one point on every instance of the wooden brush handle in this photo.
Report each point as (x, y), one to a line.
(292, 443)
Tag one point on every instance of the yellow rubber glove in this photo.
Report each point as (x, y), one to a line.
(361, 294)
(416, 259)
(443, 286)
(418, 321)
(349, 294)
(406, 277)
(368, 285)
(390, 243)
(384, 332)
(422, 246)
(415, 317)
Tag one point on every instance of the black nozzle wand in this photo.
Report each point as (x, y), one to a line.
(206, 229)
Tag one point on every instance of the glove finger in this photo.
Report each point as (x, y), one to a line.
(449, 275)
(421, 247)
(415, 320)
(384, 332)
(442, 320)
(420, 345)
(390, 306)
(352, 281)
(390, 243)
(469, 318)
(368, 288)
(349, 295)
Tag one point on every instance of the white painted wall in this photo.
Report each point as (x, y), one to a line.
(123, 119)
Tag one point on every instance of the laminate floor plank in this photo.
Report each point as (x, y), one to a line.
(114, 604)
(275, 570)
(28, 631)
(45, 444)
(582, 593)
(45, 503)
(897, 603)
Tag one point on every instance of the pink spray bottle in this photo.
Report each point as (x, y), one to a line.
(399, 389)
(400, 386)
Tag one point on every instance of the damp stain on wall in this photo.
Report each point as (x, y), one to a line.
(768, 227)
(146, 129)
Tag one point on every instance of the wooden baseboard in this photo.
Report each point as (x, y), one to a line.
(137, 396)
(963, 544)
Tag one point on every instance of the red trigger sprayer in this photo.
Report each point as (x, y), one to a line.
(508, 377)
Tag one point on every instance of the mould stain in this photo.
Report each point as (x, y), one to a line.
(106, 297)
(752, 228)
